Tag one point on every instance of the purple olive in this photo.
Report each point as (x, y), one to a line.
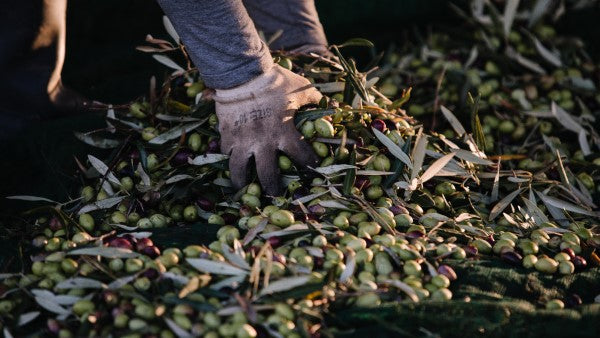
(317, 209)
(181, 157)
(573, 300)
(569, 252)
(362, 182)
(471, 250)
(579, 262)
(299, 193)
(274, 241)
(120, 243)
(396, 210)
(205, 204)
(379, 125)
(55, 224)
(130, 238)
(447, 271)
(245, 211)
(151, 251)
(143, 243)
(414, 234)
(53, 326)
(229, 218)
(213, 146)
(511, 257)
(150, 273)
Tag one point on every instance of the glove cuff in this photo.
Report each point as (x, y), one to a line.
(249, 89)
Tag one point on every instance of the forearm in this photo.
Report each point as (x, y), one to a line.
(298, 19)
(221, 40)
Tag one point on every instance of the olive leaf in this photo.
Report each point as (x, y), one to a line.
(350, 178)
(219, 268)
(525, 62)
(234, 257)
(108, 252)
(165, 60)
(230, 282)
(393, 148)
(563, 205)
(175, 133)
(178, 178)
(510, 10)
(454, 122)
(97, 141)
(435, 167)
(540, 8)
(119, 282)
(350, 267)
(252, 233)
(284, 284)
(177, 330)
(51, 306)
(503, 203)
(103, 170)
(102, 204)
(171, 118)
(308, 198)
(418, 154)
(332, 169)
(30, 198)
(537, 214)
(27, 317)
(470, 156)
(357, 42)
(412, 295)
(170, 29)
(207, 159)
(552, 58)
(80, 282)
(333, 204)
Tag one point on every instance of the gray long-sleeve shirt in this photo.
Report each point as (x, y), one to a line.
(222, 39)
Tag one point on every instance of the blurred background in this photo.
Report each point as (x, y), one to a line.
(103, 64)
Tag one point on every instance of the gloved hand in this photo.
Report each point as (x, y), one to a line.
(257, 119)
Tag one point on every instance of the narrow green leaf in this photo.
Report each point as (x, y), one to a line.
(357, 42)
(350, 174)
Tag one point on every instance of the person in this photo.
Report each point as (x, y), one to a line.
(32, 54)
(255, 98)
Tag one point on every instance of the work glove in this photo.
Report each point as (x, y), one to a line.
(257, 119)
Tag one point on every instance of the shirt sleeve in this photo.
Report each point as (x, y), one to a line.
(221, 40)
(297, 19)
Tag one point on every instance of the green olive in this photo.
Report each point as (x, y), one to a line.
(324, 128)
(412, 268)
(87, 222)
(83, 306)
(555, 304)
(194, 89)
(546, 265)
(282, 218)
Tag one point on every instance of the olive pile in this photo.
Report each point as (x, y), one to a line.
(390, 208)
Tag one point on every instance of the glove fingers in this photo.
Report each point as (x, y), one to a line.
(311, 95)
(300, 151)
(238, 168)
(267, 170)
